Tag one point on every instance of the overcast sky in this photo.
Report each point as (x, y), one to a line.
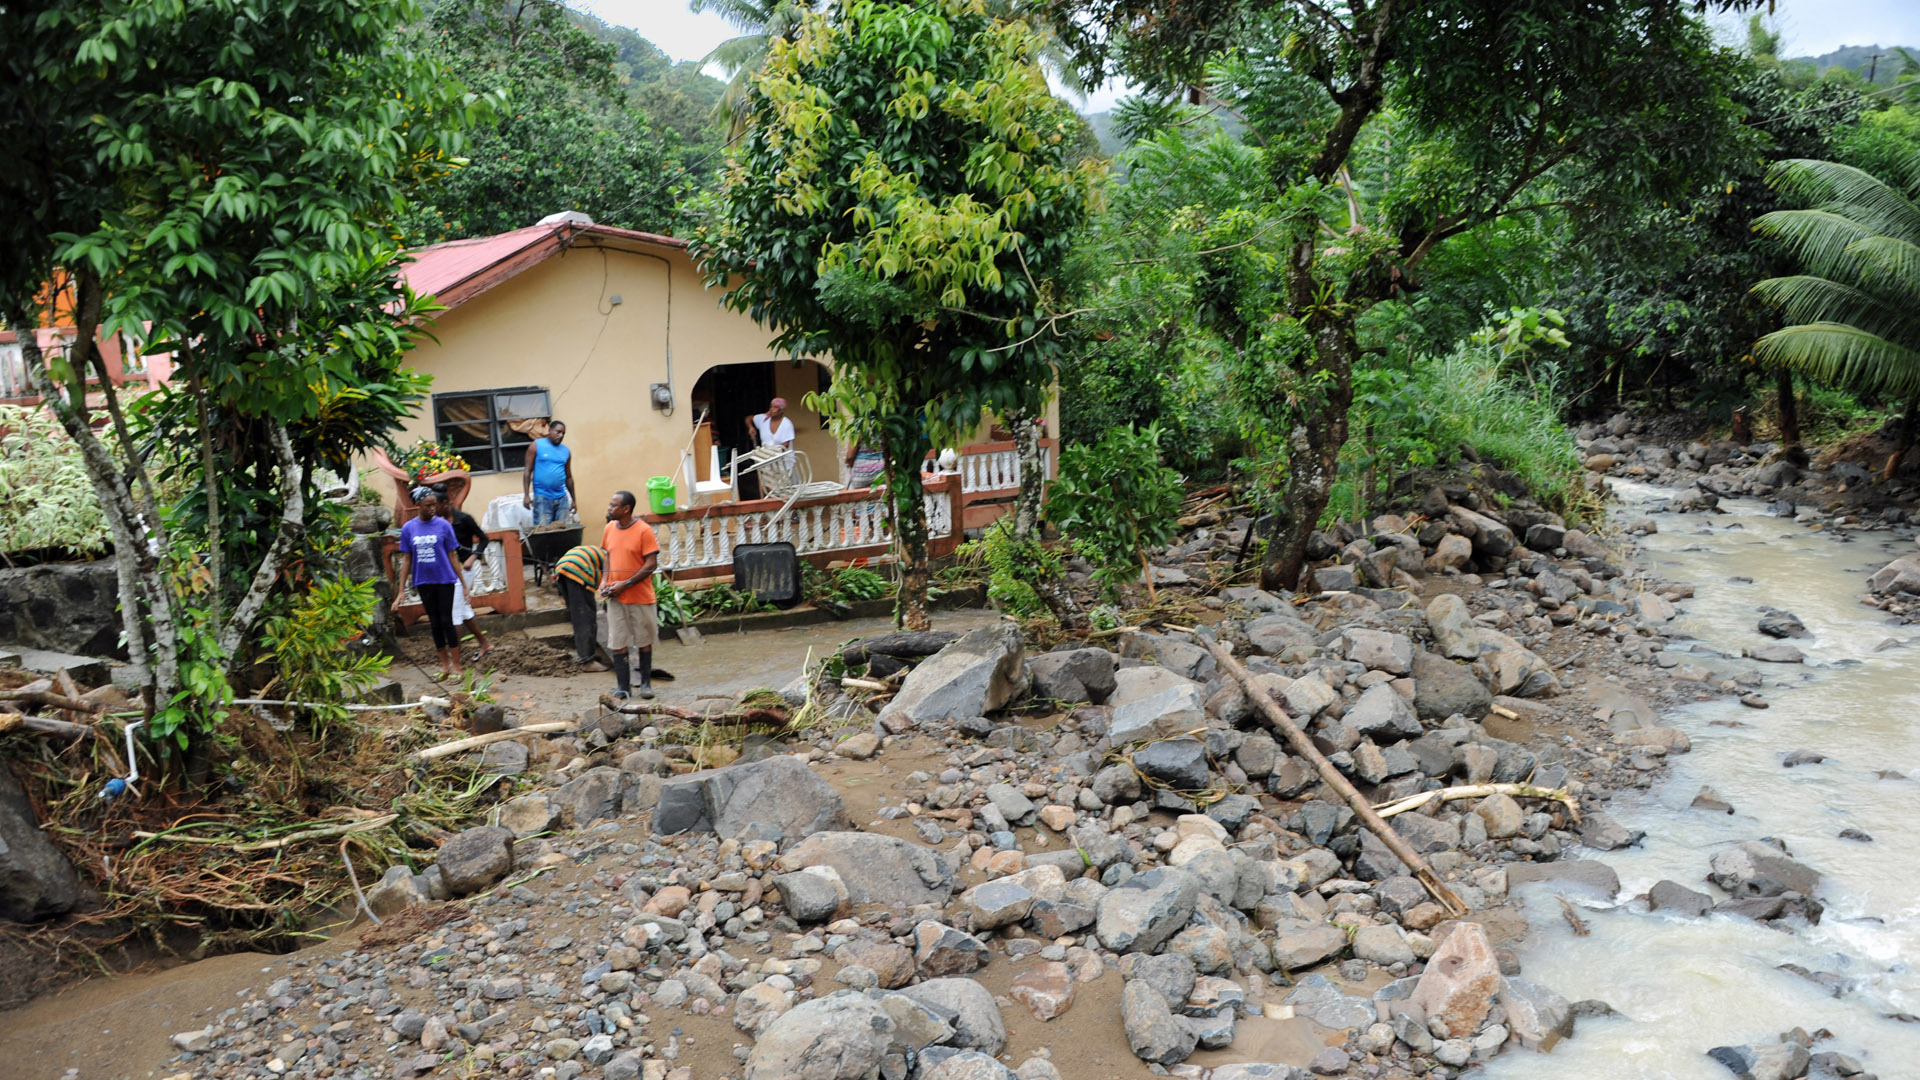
(1812, 27)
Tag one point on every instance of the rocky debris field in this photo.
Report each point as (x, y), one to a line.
(1090, 861)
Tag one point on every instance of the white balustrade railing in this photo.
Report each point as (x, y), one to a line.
(996, 469)
(705, 537)
(13, 371)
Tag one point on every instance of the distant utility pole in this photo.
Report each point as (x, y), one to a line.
(1873, 66)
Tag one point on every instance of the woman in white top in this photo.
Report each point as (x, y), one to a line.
(773, 427)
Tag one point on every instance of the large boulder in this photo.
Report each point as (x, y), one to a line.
(475, 859)
(1489, 537)
(1902, 575)
(779, 790)
(1073, 675)
(1146, 909)
(1442, 688)
(1281, 634)
(1514, 669)
(1173, 710)
(1758, 869)
(1453, 628)
(1153, 1032)
(1460, 982)
(877, 869)
(969, 1008)
(36, 881)
(1183, 658)
(977, 674)
(843, 1036)
(1383, 715)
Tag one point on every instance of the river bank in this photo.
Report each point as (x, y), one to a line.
(679, 954)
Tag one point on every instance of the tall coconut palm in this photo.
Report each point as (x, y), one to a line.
(1854, 311)
(761, 23)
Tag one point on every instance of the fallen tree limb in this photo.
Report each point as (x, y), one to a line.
(757, 717)
(1302, 745)
(41, 725)
(905, 645)
(435, 753)
(322, 832)
(47, 699)
(851, 683)
(1481, 791)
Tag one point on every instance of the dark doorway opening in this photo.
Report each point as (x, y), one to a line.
(731, 394)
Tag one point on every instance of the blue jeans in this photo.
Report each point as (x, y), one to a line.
(547, 510)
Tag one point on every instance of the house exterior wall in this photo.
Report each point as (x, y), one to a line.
(552, 327)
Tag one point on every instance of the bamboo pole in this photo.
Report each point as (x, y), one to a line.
(1303, 746)
(1480, 791)
(435, 753)
(42, 725)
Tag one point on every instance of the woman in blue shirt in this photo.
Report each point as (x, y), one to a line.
(433, 566)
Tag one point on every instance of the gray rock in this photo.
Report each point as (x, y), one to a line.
(1426, 835)
(977, 674)
(1073, 675)
(397, 890)
(1453, 628)
(1168, 712)
(36, 880)
(1600, 832)
(969, 1065)
(1015, 807)
(1384, 945)
(505, 759)
(1782, 624)
(1319, 1000)
(1758, 869)
(1257, 755)
(1307, 697)
(594, 794)
(991, 905)
(1379, 650)
(527, 815)
(1116, 784)
(1442, 687)
(1153, 1032)
(1768, 1061)
(779, 790)
(1902, 575)
(1489, 537)
(877, 869)
(1502, 815)
(939, 949)
(1183, 658)
(1284, 633)
(1258, 1070)
(1300, 945)
(1172, 974)
(1538, 1017)
(1777, 654)
(1673, 896)
(842, 1036)
(813, 894)
(475, 859)
(1331, 1061)
(1146, 910)
(1179, 763)
(975, 1018)
(1382, 715)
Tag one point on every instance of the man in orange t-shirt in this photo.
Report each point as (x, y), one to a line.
(633, 554)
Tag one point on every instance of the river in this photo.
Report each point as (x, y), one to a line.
(1685, 985)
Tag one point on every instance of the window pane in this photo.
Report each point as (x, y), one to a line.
(514, 458)
(467, 436)
(454, 410)
(521, 406)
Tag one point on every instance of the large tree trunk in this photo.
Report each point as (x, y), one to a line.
(1789, 408)
(1033, 476)
(1324, 383)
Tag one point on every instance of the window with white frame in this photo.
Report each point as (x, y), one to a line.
(480, 425)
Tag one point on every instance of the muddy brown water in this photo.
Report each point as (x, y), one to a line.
(1687, 985)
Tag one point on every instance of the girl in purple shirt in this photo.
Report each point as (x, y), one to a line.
(433, 566)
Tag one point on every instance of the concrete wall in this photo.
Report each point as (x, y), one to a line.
(553, 327)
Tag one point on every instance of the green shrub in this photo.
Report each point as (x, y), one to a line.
(308, 646)
(1114, 500)
(1014, 567)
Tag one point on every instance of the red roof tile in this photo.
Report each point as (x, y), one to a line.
(459, 270)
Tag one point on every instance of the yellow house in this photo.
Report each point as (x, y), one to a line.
(614, 332)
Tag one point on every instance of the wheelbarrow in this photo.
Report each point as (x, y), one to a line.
(545, 545)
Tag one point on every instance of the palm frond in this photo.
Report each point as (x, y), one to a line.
(743, 54)
(750, 16)
(1853, 192)
(1808, 299)
(1821, 240)
(1842, 355)
(1891, 265)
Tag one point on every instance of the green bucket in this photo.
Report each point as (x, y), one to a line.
(660, 494)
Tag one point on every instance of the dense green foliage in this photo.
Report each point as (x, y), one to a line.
(1115, 500)
(903, 198)
(566, 139)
